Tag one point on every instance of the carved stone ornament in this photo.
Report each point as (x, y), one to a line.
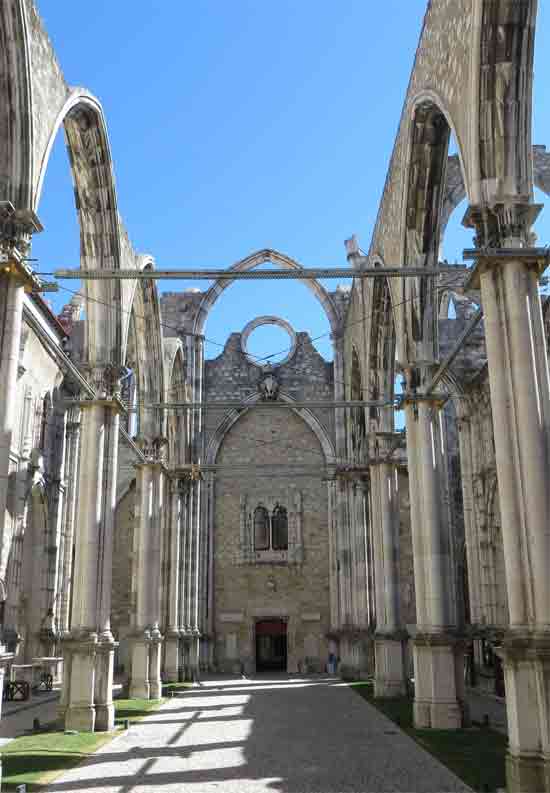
(107, 381)
(496, 226)
(268, 386)
(16, 229)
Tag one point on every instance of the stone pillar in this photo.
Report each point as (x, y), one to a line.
(16, 229)
(333, 557)
(194, 601)
(470, 524)
(89, 647)
(172, 643)
(145, 682)
(154, 577)
(71, 474)
(389, 680)
(182, 609)
(141, 634)
(508, 277)
(438, 655)
(11, 313)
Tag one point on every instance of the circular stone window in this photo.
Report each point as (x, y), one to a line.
(279, 350)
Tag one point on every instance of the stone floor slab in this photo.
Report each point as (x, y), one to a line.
(269, 735)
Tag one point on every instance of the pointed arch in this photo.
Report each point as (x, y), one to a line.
(304, 413)
(177, 420)
(96, 205)
(143, 354)
(249, 263)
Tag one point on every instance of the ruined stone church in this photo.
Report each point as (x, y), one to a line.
(163, 515)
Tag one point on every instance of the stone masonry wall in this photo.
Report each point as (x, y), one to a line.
(247, 592)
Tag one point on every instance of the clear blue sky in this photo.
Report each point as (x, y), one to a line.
(240, 124)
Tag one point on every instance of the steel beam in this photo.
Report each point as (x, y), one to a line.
(254, 275)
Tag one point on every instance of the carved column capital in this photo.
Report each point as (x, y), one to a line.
(107, 380)
(16, 229)
(503, 225)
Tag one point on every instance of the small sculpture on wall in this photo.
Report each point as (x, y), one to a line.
(268, 385)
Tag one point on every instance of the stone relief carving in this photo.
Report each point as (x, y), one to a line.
(268, 385)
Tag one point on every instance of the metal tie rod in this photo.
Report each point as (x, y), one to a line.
(269, 405)
(255, 275)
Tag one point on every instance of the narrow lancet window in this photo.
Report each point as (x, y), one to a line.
(261, 529)
(279, 525)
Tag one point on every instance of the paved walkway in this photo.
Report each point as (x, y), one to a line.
(262, 736)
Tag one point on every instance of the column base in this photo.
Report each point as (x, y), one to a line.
(155, 660)
(79, 682)
(194, 656)
(526, 662)
(525, 774)
(355, 648)
(389, 678)
(80, 719)
(139, 682)
(438, 667)
(172, 656)
(104, 708)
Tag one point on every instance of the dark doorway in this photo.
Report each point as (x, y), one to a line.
(271, 646)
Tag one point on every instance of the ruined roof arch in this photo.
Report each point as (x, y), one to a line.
(251, 262)
(144, 321)
(89, 152)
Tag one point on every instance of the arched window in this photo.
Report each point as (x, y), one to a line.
(279, 529)
(261, 529)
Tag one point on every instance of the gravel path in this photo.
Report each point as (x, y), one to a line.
(258, 736)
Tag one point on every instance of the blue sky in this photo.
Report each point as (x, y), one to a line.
(237, 125)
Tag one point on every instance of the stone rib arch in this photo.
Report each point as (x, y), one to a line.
(305, 414)
(16, 117)
(380, 352)
(249, 263)
(430, 130)
(177, 420)
(96, 206)
(143, 352)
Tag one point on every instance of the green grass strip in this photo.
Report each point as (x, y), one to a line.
(476, 755)
(36, 760)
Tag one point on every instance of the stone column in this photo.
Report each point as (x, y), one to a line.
(145, 680)
(470, 525)
(89, 648)
(194, 581)
(182, 597)
(172, 643)
(11, 313)
(71, 476)
(195, 534)
(346, 668)
(520, 399)
(333, 557)
(210, 577)
(389, 680)
(438, 655)
(154, 579)
(16, 229)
